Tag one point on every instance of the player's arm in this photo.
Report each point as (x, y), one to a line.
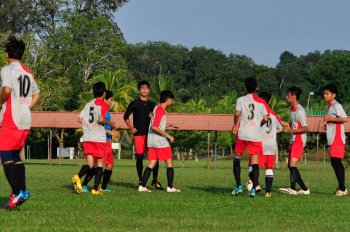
(80, 119)
(304, 129)
(114, 133)
(158, 130)
(5, 94)
(329, 118)
(302, 120)
(236, 118)
(35, 100)
(127, 114)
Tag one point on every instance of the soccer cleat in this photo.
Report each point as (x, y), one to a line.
(77, 184)
(85, 189)
(340, 193)
(104, 190)
(268, 194)
(156, 185)
(252, 193)
(96, 192)
(302, 192)
(336, 190)
(288, 191)
(26, 195)
(144, 189)
(238, 190)
(13, 202)
(172, 190)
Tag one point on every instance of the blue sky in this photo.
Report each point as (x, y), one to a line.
(260, 29)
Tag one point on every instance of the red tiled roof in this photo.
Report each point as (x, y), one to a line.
(203, 122)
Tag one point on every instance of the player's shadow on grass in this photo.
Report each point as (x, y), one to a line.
(212, 189)
(4, 200)
(124, 184)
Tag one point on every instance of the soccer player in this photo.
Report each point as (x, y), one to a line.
(251, 112)
(108, 159)
(335, 119)
(93, 119)
(269, 141)
(298, 129)
(158, 143)
(142, 109)
(19, 94)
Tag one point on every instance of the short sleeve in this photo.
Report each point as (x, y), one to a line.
(340, 111)
(6, 78)
(302, 118)
(35, 88)
(158, 115)
(264, 110)
(239, 105)
(104, 110)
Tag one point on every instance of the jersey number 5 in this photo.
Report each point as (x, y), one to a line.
(91, 115)
(24, 85)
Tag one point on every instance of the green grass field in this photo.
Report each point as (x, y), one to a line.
(205, 203)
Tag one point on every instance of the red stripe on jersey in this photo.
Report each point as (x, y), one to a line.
(7, 120)
(104, 106)
(298, 138)
(26, 69)
(159, 113)
(262, 101)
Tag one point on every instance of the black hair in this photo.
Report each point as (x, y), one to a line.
(250, 84)
(266, 96)
(141, 83)
(164, 95)
(109, 94)
(98, 89)
(295, 91)
(14, 48)
(331, 88)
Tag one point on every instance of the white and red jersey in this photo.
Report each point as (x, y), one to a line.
(15, 111)
(93, 130)
(335, 110)
(253, 109)
(297, 121)
(269, 134)
(158, 119)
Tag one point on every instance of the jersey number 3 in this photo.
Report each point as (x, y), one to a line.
(251, 111)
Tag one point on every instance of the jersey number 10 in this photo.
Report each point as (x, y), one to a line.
(24, 85)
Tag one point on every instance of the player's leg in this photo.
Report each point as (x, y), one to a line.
(146, 174)
(270, 164)
(98, 176)
(155, 183)
(88, 177)
(337, 152)
(139, 142)
(21, 175)
(84, 170)
(296, 174)
(255, 173)
(108, 161)
(170, 176)
(239, 148)
(107, 173)
(10, 172)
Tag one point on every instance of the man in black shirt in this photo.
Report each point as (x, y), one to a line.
(141, 109)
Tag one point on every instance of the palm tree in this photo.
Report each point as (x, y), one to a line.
(122, 85)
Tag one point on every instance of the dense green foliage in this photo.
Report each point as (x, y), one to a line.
(205, 203)
(71, 44)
